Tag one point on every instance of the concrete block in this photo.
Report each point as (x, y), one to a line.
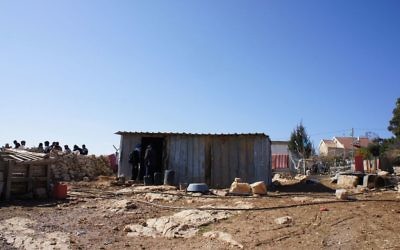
(347, 181)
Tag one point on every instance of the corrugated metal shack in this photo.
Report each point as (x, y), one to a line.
(215, 159)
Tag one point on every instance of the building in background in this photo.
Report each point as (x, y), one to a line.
(342, 146)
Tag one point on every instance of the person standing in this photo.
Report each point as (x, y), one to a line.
(46, 147)
(84, 150)
(16, 144)
(40, 148)
(134, 160)
(23, 145)
(149, 160)
(77, 150)
(67, 150)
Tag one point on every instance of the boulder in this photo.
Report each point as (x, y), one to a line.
(342, 194)
(258, 188)
(347, 181)
(240, 188)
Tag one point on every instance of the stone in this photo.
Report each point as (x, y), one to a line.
(342, 194)
(160, 197)
(283, 220)
(347, 181)
(300, 177)
(222, 236)
(276, 177)
(22, 233)
(258, 187)
(240, 188)
(219, 192)
(77, 167)
(183, 224)
(383, 173)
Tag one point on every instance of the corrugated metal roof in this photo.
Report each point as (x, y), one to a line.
(21, 155)
(188, 134)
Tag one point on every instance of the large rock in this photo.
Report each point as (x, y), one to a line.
(342, 194)
(240, 188)
(259, 188)
(347, 181)
(183, 224)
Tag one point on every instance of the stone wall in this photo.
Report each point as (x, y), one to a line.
(75, 167)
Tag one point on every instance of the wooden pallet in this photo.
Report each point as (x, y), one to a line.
(23, 177)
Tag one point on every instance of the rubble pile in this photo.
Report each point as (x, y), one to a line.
(76, 167)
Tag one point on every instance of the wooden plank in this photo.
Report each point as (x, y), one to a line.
(19, 169)
(13, 157)
(216, 163)
(27, 180)
(208, 161)
(30, 184)
(10, 165)
(48, 177)
(242, 158)
(38, 170)
(2, 167)
(190, 165)
(38, 162)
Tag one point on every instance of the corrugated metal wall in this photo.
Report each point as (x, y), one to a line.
(215, 160)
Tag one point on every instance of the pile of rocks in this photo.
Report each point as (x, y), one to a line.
(77, 167)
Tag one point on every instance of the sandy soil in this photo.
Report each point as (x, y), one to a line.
(95, 216)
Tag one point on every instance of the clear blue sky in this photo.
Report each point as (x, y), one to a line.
(78, 71)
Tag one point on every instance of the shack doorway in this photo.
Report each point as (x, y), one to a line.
(157, 144)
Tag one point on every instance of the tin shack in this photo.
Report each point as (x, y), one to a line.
(215, 159)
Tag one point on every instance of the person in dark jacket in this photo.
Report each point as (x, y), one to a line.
(40, 148)
(47, 147)
(149, 160)
(85, 151)
(134, 159)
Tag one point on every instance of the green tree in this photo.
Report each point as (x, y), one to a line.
(300, 143)
(394, 124)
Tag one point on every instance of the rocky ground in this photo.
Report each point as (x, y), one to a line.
(296, 215)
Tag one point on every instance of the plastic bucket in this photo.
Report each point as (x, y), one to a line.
(169, 177)
(158, 180)
(60, 191)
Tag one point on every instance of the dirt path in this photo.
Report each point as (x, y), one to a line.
(95, 217)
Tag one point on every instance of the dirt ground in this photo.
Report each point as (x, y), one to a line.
(95, 216)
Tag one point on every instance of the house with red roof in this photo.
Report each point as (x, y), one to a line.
(342, 146)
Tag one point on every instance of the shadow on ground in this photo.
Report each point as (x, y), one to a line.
(307, 186)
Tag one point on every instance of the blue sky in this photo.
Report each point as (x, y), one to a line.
(78, 71)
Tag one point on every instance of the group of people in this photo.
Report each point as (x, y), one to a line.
(149, 161)
(47, 148)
